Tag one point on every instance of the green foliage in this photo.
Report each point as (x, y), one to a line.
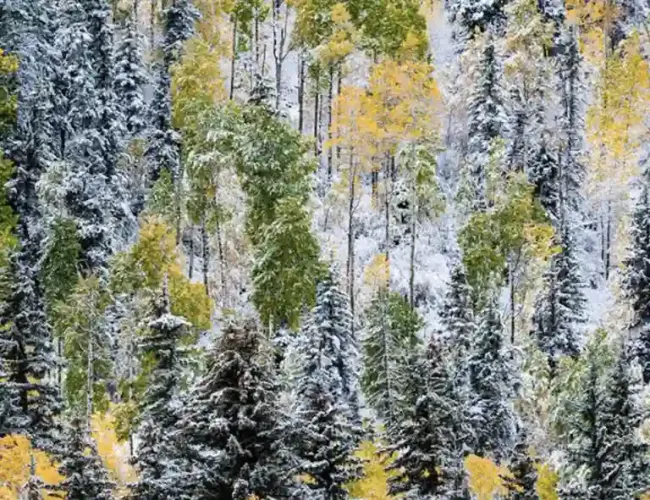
(390, 341)
(60, 266)
(391, 27)
(8, 220)
(8, 97)
(162, 198)
(79, 321)
(245, 13)
(515, 225)
(286, 265)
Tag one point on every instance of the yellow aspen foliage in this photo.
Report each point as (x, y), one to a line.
(145, 265)
(113, 453)
(374, 483)
(377, 272)
(341, 43)
(615, 120)
(594, 20)
(485, 477)
(16, 454)
(547, 480)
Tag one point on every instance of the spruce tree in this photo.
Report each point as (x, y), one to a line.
(232, 428)
(522, 482)
(637, 276)
(490, 374)
(456, 316)
(130, 79)
(560, 307)
(85, 474)
(544, 174)
(473, 17)
(425, 439)
(486, 122)
(628, 466)
(155, 454)
(390, 336)
(572, 171)
(326, 421)
(26, 352)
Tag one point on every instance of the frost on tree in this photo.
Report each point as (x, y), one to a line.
(232, 428)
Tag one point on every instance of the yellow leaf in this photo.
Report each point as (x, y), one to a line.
(485, 477)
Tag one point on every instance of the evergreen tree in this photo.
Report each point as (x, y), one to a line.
(637, 276)
(523, 479)
(390, 336)
(490, 372)
(232, 427)
(572, 171)
(544, 173)
(28, 360)
(457, 317)
(425, 439)
(130, 79)
(560, 308)
(486, 122)
(628, 466)
(156, 452)
(82, 467)
(33, 489)
(473, 16)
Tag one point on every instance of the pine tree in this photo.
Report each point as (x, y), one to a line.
(560, 307)
(491, 388)
(486, 122)
(156, 452)
(232, 426)
(473, 17)
(637, 276)
(456, 315)
(390, 336)
(425, 439)
(82, 467)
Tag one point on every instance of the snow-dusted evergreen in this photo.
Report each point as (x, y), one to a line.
(544, 174)
(427, 463)
(85, 474)
(486, 122)
(155, 454)
(31, 399)
(637, 277)
(491, 384)
(327, 428)
(522, 484)
(231, 430)
(560, 307)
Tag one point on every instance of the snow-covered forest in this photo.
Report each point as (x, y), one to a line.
(324, 249)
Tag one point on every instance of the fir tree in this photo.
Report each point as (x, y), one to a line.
(486, 122)
(572, 171)
(130, 79)
(155, 455)
(492, 414)
(559, 310)
(232, 427)
(628, 465)
(327, 424)
(390, 337)
(637, 276)
(473, 16)
(26, 350)
(425, 439)
(456, 315)
(82, 467)
(544, 173)
(523, 479)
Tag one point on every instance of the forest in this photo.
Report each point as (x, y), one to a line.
(324, 249)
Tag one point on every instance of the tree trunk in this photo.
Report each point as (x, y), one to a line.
(301, 94)
(350, 266)
(330, 151)
(205, 255)
(387, 193)
(222, 264)
(413, 241)
(338, 93)
(316, 117)
(608, 240)
(152, 26)
(190, 271)
(233, 58)
(89, 382)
